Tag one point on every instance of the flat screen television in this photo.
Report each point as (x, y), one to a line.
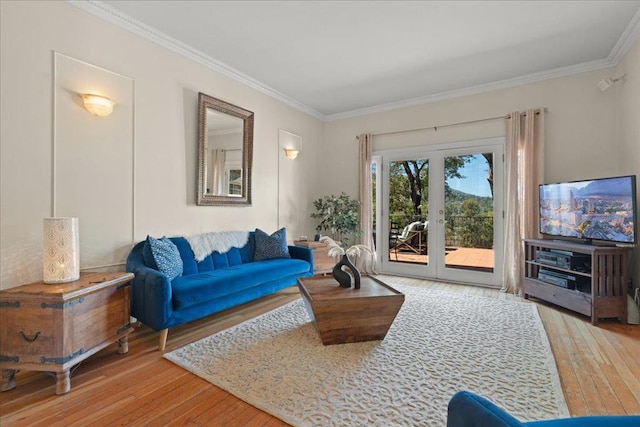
(602, 209)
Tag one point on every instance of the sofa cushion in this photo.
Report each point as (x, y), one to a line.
(271, 246)
(247, 251)
(191, 290)
(220, 260)
(162, 255)
(234, 257)
(188, 260)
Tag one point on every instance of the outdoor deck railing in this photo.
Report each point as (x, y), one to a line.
(469, 231)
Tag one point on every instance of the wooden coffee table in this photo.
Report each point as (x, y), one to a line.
(346, 315)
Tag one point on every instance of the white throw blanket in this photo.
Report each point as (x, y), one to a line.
(206, 243)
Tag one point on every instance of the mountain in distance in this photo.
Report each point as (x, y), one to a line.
(455, 197)
(606, 187)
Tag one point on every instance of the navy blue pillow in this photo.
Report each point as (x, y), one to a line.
(271, 247)
(163, 255)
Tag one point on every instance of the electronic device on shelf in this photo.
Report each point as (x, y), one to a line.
(564, 280)
(564, 259)
(602, 209)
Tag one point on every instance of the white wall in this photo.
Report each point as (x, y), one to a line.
(628, 127)
(589, 133)
(87, 147)
(580, 125)
(579, 128)
(166, 89)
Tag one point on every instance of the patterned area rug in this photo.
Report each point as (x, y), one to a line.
(440, 343)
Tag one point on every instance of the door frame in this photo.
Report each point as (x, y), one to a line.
(436, 268)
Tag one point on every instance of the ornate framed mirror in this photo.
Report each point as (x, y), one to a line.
(225, 153)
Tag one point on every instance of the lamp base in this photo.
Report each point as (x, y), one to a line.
(57, 282)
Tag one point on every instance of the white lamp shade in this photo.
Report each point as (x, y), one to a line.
(291, 153)
(97, 105)
(61, 260)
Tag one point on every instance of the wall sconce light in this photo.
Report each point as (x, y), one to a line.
(61, 260)
(97, 105)
(606, 83)
(291, 153)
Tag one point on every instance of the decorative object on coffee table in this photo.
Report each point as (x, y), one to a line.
(355, 251)
(343, 277)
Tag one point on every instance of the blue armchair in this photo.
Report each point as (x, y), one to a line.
(470, 410)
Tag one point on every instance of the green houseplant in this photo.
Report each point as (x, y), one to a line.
(338, 217)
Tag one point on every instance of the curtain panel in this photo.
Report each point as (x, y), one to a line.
(524, 159)
(366, 264)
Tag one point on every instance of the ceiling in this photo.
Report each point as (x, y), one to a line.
(338, 59)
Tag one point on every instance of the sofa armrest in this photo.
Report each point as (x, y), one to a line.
(303, 253)
(469, 410)
(150, 292)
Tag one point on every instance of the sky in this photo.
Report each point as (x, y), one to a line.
(475, 181)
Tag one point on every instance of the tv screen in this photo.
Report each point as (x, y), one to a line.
(598, 209)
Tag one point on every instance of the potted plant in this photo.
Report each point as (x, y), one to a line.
(338, 217)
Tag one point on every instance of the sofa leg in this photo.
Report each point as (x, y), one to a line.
(163, 339)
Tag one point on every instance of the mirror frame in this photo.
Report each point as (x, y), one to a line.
(205, 199)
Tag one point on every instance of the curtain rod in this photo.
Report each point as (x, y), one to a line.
(508, 116)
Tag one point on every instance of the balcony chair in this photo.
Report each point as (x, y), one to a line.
(413, 238)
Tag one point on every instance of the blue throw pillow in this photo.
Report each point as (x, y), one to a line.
(270, 247)
(163, 255)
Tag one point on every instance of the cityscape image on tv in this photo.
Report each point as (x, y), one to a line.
(601, 209)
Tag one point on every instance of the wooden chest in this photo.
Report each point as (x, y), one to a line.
(51, 328)
(322, 262)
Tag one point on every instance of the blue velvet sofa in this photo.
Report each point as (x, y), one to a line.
(470, 410)
(220, 281)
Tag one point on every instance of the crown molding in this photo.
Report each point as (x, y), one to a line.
(473, 90)
(126, 22)
(626, 40)
(114, 16)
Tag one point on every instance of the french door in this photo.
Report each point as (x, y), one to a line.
(439, 211)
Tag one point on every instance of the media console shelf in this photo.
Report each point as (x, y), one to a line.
(601, 276)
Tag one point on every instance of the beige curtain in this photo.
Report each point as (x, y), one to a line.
(524, 155)
(366, 264)
(217, 173)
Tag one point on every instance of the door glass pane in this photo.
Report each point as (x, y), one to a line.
(408, 210)
(469, 212)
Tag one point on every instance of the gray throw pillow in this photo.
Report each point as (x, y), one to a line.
(271, 246)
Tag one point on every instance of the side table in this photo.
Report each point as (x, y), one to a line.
(322, 262)
(53, 327)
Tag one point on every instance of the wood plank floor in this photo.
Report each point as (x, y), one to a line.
(599, 369)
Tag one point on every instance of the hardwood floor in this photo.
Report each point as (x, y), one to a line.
(599, 369)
